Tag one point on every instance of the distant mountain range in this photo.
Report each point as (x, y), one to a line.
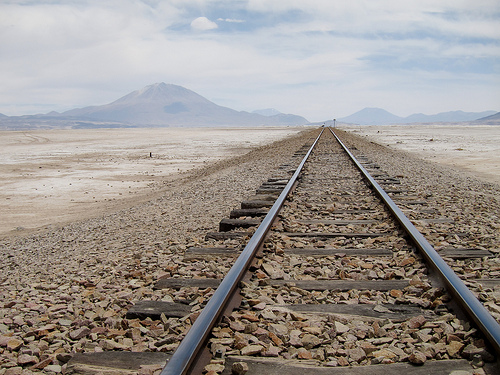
(155, 105)
(163, 105)
(378, 116)
(495, 117)
(267, 112)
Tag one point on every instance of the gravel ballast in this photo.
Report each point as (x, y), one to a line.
(67, 289)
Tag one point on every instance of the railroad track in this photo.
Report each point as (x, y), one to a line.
(324, 277)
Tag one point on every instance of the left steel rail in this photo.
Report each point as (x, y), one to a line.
(194, 341)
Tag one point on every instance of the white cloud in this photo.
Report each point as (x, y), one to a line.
(203, 23)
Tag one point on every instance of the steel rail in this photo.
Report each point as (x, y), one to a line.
(471, 305)
(194, 340)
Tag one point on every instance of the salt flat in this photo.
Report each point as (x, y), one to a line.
(472, 148)
(55, 176)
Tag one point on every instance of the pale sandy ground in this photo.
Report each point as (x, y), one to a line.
(55, 176)
(473, 148)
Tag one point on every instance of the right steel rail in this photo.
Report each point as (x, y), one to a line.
(471, 305)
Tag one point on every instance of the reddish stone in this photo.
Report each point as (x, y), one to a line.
(237, 326)
(25, 359)
(396, 293)
(304, 354)
(272, 351)
(42, 364)
(79, 333)
(276, 340)
(416, 322)
(417, 358)
(250, 317)
(99, 330)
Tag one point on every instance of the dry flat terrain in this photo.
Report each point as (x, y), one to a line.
(67, 288)
(473, 148)
(57, 176)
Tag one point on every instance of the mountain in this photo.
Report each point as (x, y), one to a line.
(171, 105)
(267, 112)
(378, 116)
(155, 105)
(372, 116)
(453, 116)
(495, 116)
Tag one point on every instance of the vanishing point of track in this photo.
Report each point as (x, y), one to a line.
(330, 277)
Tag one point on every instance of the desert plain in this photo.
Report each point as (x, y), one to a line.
(92, 219)
(56, 176)
(51, 177)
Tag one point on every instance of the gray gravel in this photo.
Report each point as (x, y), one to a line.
(67, 289)
(472, 204)
(266, 324)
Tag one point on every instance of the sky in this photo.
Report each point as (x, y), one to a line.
(321, 59)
